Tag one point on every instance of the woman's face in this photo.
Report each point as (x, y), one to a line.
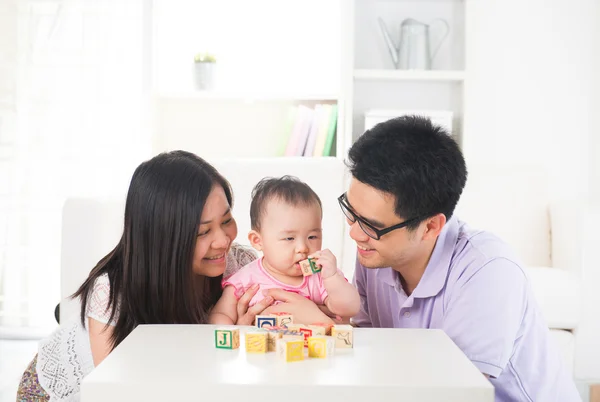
(216, 232)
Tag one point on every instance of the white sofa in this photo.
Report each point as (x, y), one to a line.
(512, 203)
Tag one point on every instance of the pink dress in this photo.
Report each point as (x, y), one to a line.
(311, 287)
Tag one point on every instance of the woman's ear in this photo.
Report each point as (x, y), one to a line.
(255, 240)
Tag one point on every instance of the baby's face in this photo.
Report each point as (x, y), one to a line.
(289, 234)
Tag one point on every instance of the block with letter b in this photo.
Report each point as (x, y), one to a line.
(321, 346)
(343, 336)
(226, 338)
(290, 350)
(309, 267)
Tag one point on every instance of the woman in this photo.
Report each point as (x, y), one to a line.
(166, 269)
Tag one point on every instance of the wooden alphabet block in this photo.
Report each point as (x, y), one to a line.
(265, 321)
(226, 338)
(321, 346)
(309, 267)
(290, 350)
(305, 330)
(326, 326)
(318, 329)
(272, 337)
(290, 335)
(343, 336)
(283, 319)
(257, 341)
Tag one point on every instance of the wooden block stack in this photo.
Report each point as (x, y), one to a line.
(308, 330)
(309, 267)
(288, 341)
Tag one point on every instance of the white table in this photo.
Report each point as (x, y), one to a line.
(181, 363)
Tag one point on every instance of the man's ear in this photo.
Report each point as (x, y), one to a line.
(255, 240)
(433, 226)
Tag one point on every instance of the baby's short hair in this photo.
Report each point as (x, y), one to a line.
(288, 189)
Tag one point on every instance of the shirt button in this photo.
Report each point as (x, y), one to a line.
(407, 314)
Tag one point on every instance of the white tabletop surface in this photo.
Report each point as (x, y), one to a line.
(181, 363)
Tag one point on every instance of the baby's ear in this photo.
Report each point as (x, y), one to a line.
(255, 240)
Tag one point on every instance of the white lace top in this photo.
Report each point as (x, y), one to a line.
(65, 357)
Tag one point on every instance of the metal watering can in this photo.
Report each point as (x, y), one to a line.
(413, 51)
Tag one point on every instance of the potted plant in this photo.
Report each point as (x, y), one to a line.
(204, 70)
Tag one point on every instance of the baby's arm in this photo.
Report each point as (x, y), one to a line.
(342, 297)
(225, 311)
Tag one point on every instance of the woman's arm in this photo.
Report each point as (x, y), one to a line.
(225, 311)
(100, 343)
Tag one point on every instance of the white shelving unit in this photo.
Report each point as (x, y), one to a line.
(409, 75)
(369, 78)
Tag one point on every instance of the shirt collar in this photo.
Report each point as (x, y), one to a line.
(435, 274)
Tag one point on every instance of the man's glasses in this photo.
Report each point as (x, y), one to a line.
(366, 227)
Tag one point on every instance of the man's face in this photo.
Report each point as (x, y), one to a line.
(393, 249)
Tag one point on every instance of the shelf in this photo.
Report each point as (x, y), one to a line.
(243, 97)
(410, 75)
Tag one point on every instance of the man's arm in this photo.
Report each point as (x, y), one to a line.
(484, 314)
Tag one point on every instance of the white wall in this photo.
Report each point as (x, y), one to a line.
(532, 85)
(527, 93)
(274, 51)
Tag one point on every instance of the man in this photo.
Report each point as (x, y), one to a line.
(420, 267)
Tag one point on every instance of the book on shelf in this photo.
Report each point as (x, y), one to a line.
(310, 131)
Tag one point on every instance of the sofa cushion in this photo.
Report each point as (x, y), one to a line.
(565, 342)
(558, 294)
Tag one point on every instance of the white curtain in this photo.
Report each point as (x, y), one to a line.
(74, 121)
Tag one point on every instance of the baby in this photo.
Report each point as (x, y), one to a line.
(285, 216)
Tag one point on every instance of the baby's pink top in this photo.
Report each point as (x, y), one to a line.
(311, 287)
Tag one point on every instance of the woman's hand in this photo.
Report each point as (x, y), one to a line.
(304, 311)
(246, 315)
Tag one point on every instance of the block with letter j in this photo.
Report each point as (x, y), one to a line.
(226, 338)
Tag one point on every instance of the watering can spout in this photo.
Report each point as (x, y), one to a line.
(393, 48)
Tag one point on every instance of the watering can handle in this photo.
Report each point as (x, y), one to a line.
(435, 50)
(392, 47)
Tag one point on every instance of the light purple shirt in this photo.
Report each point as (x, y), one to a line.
(475, 289)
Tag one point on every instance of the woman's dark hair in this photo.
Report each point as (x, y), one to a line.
(415, 161)
(150, 270)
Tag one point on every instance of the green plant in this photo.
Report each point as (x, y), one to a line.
(204, 58)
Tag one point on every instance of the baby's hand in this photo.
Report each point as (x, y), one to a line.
(327, 261)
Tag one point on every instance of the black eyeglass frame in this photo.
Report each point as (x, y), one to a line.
(378, 232)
